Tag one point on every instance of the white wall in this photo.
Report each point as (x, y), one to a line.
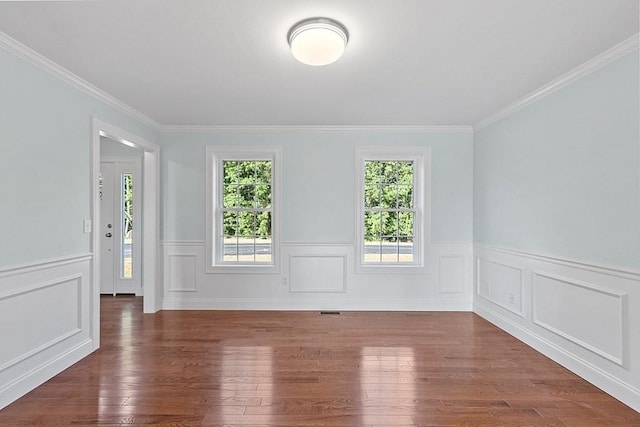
(45, 189)
(557, 226)
(318, 225)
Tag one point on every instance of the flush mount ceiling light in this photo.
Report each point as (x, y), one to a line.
(318, 41)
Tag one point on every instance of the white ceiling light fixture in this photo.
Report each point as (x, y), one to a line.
(318, 41)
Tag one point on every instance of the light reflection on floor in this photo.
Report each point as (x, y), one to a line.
(112, 406)
(384, 372)
(256, 363)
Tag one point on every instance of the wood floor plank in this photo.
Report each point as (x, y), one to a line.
(215, 368)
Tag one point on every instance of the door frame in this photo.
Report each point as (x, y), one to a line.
(150, 219)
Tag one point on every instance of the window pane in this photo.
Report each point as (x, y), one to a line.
(405, 251)
(230, 171)
(246, 171)
(389, 197)
(230, 196)
(372, 249)
(263, 225)
(126, 251)
(389, 249)
(246, 224)
(230, 223)
(263, 172)
(246, 195)
(405, 196)
(372, 172)
(372, 196)
(373, 223)
(405, 225)
(263, 196)
(405, 173)
(389, 223)
(246, 249)
(263, 250)
(388, 172)
(230, 251)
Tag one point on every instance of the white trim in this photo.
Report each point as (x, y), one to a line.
(626, 47)
(520, 311)
(612, 372)
(318, 304)
(151, 281)
(20, 50)
(131, 165)
(422, 201)
(590, 266)
(29, 380)
(623, 391)
(315, 129)
(290, 243)
(622, 306)
(67, 341)
(183, 243)
(34, 58)
(214, 155)
(42, 265)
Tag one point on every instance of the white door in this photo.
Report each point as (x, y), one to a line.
(120, 229)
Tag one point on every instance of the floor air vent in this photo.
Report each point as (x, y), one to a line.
(329, 312)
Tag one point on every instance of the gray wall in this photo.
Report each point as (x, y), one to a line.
(561, 176)
(45, 146)
(318, 182)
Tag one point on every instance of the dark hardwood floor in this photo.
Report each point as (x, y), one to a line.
(300, 368)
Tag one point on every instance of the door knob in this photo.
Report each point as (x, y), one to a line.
(108, 235)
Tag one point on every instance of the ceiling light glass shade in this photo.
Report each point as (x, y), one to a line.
(318, 41)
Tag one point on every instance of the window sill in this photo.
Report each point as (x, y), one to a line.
(243, 269)
(391, 269)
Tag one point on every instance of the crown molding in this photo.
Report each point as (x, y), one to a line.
(316, 129)
(18, 49)
(624, 48)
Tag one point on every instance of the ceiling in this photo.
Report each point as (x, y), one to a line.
(408, 62)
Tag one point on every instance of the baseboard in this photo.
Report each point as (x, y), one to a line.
(548, 302)
(317, 276)
(307, 305)
(48, 305)
(622, 391)
(39, 375)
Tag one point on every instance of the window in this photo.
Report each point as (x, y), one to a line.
(391, 216)
(242, 208)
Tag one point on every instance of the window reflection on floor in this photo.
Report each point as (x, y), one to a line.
(253, 366)
(114, 401)
(384, 372)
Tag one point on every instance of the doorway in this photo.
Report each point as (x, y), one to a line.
(120, 224)
(147, 219)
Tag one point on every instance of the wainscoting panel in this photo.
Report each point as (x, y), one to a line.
(597, 323)
(317, 276)
(584, 316)
(181, 272)
(38, 331)
(44, 322)
(312, 273)
(501, 284)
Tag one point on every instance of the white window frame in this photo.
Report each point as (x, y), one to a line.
(214, 246)
(421, 156)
